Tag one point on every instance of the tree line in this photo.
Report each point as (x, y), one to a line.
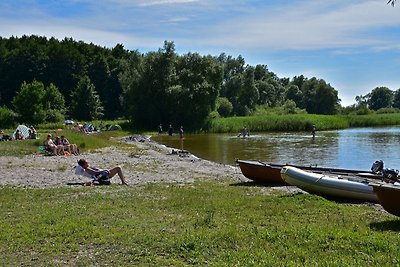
(48, 80)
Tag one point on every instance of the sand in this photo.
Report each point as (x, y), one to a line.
(142, 162)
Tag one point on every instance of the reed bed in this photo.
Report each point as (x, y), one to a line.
(267, 123)
(301, 122)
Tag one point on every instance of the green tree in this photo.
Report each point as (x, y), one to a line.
(289, 107)
(28, 103)
(248, 94)
(396, 99)
(196, 90)
(318, 97)
(149, 88)
(380, 97)
(224, 107)
(163, 87)
(294, 93)
(54, 104)
(130, 79)
(35, 104)
(7, 117)
(53, 99)
(85, 102)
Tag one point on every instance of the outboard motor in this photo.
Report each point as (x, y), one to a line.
(390, 175)
(377, 166)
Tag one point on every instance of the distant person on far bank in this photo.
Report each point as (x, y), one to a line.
(313, 131)
(181, 132)
(170, 130)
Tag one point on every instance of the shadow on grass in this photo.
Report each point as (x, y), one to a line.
(390, 225)
(258, 184)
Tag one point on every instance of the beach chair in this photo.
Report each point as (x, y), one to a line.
(46, 151)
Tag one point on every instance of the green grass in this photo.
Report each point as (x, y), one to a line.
(85, 142)
(206, 223)
(301, 122)
(273, 122)
(373, 120)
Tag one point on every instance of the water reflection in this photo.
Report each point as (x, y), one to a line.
(350, 148)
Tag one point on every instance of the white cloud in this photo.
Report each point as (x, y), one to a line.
(308, 25)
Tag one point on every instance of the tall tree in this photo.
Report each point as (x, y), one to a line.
(28, 103)
(396, 99)
(85, 101)
(36, 104)
(248, 95)
(54, 104)
(380, 97)
(195, 92)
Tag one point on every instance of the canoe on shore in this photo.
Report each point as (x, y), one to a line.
(260, 172)
(388, 196)
(271, 172)
(330, 185)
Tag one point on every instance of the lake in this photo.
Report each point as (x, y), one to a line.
(355, 148)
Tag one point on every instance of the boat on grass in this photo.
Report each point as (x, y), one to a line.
(271, 172)
(330, 185)
(388, 196)
(260, 172)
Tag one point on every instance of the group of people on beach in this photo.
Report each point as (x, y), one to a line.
(18, 135)
(60, 145)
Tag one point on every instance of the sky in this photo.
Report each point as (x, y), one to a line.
(354, 45)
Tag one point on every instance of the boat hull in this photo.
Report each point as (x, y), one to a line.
(328, 185)
(389, 197)
(271, 172)
(260, 172)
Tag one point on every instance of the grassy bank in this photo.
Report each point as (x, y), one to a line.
(85, 142)
(207, 223)
(301, 122)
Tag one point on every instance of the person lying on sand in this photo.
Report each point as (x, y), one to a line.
(90, 172)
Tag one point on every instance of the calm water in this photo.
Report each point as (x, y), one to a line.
(350, 148)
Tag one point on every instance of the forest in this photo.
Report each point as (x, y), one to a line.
(49, 80)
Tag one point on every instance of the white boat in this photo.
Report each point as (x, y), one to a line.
(330, 185)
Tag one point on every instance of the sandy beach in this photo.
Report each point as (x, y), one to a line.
(142, 162)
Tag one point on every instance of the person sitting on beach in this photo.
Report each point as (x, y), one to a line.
(91, 172)
(32, 132)
(71, 148)
(57, 150)
(18, 135)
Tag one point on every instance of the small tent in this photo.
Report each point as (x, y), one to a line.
(23, 129)
(115, 127)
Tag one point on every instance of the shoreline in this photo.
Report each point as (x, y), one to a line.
(142, 163)
(145, 162)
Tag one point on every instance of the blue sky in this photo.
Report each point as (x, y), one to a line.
(351, 44)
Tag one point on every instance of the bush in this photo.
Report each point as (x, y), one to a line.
(7, 118)
(387, 110)
(224, 107)
(363, 111)
(53, 116)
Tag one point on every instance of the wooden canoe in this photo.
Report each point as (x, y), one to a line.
(330, 185)
(271, 172)
(388, 196)
(260, 172)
